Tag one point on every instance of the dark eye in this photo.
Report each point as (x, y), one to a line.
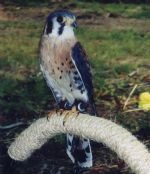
(60, 19)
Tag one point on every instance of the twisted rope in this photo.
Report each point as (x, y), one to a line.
(112, 135)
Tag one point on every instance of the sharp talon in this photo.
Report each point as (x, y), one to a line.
(50, 114)
(57, 111)
(77, 114)
(73, 113)
(65, 117)
(61, 111)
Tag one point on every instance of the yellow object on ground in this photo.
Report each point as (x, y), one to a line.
(144, 101)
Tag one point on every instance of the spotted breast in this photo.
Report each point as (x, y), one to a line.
(60, 70)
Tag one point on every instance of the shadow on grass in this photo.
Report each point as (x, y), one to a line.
(29, 96)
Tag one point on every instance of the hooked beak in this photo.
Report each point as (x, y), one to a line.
(71, 22)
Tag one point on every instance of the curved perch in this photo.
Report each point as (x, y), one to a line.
(115, 137)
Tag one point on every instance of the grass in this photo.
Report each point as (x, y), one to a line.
(23, 90)
(115, 51)
(119, 43)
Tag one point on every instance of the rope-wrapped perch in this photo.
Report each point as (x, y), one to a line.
(115, 137)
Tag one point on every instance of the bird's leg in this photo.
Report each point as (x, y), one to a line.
(56, 111)
(66, 113)
(59, 109)
(51, 113)
(73, 112)
(64, 109)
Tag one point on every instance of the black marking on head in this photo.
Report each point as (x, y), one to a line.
(60, 13)
(60, 19)
(49, 27)
(60, 31)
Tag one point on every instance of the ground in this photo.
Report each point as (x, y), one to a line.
(117, 40)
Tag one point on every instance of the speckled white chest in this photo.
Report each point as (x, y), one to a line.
(59, 69)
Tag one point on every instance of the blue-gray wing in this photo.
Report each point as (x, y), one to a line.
(82, 64)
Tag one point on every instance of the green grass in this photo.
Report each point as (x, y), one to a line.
(114, 52)
(22, 90)
(104, 47)
(128, 10)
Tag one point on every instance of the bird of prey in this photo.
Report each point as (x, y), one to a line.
(66, 69)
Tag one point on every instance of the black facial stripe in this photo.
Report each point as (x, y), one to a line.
(61, 29)
(49, 27)
(60, 19)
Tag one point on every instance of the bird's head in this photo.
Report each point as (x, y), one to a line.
(60, 24)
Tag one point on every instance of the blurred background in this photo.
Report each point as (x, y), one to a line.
(116, 36)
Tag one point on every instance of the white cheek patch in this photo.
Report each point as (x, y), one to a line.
(67, 33)
(55, 29)
(45, 29)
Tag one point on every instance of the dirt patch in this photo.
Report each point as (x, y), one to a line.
(5, 15)
(91, 19)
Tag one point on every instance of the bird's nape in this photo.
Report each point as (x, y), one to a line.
(58, 13)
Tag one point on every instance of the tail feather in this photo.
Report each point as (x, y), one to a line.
(79, 151)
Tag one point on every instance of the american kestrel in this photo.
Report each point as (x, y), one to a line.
(66, 69)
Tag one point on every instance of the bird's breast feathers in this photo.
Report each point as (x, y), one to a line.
(59, 69)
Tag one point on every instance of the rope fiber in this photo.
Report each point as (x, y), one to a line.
(118, 139)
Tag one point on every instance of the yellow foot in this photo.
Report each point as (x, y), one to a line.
(55, 111)
(73, 113)
(50, 114)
